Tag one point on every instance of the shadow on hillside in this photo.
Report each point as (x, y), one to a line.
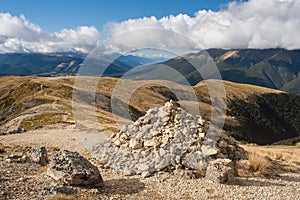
(122, 186)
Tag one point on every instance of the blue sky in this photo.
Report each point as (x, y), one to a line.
(55, 15)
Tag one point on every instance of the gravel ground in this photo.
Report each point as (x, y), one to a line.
(26, 181)
(171, 187)
(61, 136)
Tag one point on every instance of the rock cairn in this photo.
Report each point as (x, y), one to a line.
(170, 139)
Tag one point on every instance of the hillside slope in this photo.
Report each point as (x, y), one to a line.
(272, 68)
(255, 114)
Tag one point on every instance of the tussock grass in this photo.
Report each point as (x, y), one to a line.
(54, 148)
(259, 165)
(261, 157)
(289, 154)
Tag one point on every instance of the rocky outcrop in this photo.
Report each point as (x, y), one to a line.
(38, 155)
(169, 139)
(17, 158)
(14, 131)
(72, 169)
(34, 155)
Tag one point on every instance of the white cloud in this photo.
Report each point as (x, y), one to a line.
(17, 34)
(252, 24)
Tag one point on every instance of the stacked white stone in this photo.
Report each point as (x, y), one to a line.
(170, 139)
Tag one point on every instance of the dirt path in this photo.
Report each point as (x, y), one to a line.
(41, 109)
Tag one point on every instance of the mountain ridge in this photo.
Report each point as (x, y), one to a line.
(272, 68)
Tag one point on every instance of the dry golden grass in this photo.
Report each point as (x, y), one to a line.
(59, 90)
(289, 154)
(262, 158)
(54, 148)
(291, 169)
(259, 165)
(42, 120)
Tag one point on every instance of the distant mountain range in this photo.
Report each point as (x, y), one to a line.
(52, 64)
(62, 64)
(272, 68)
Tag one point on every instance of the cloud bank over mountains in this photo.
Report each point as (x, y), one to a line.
(251, 24)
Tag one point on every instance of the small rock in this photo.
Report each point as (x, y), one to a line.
(124, 146)
(57, 189)
(113, 135)
(37, 127)
(18, 130)
(38, 155)
(128, 171)
(169, 105)
(222, 144)
(201, 135)
(149, 143)
(220, 171)
(143, 167)
(135, 144)
(118, 142)
(243, 164)
(165, 140)
(124, 136)
(23, 179)
(200, 173)
(162, 152)
(145, 174)
(230, 149)
(209, 150)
